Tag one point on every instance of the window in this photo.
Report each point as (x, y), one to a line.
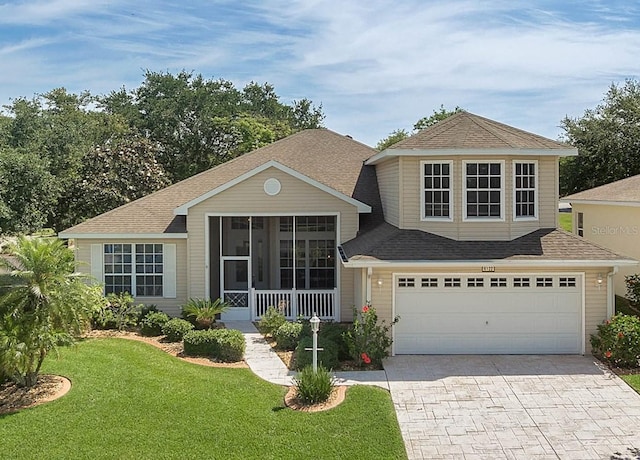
(483, 198)
(475, 282)
(544, 282)
(430, 282)
(521, 282)
(406, 282)
(452, 282)
(142, 278)
(525, 190)
(569, 281)
(580, 224)
(436, 192)
(498, 282)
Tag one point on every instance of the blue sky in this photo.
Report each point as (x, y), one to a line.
(374, 65)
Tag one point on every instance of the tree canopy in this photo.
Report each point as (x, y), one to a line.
(401, 134)
(607, 138)
(78, 155)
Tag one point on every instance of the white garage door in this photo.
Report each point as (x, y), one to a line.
(472, 314)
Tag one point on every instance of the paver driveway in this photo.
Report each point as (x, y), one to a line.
(522, 407)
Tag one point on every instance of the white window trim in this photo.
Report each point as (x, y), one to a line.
(466, 218)
(168, 272)
(422, 189)
(536, 215)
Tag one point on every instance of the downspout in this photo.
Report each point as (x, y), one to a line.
(611, 294)
(369, 274)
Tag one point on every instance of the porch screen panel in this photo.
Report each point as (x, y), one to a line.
(235, 236)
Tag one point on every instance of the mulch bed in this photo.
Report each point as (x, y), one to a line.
(48, 388)
(337, 397)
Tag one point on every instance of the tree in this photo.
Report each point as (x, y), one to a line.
(607, 139)
(46, 305)
(201, 123)
(438, 115)
(24, 203)
(115, 173)
(395, 136)
(425, 122)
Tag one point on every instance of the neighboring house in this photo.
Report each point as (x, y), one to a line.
(453, 229)
(609, 216)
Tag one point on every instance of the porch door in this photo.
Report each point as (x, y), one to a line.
(235, 266)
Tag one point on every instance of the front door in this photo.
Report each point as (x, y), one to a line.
(235, 266)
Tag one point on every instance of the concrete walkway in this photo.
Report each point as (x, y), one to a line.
(266, 364)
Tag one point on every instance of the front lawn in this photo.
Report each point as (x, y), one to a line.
(130, 400)
(565, 221)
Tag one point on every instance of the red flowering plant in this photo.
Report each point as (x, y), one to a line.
(618, 341)
(369, 340)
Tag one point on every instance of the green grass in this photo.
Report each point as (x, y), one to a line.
(132, 401)
(633, 380)
(565, 221)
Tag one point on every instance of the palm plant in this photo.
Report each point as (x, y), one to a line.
(46, 304)
(204, 311)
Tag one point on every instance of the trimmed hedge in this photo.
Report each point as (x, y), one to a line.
(175, 329)
(227, 345)
(287, 335)
(328, 357)
(151, 325)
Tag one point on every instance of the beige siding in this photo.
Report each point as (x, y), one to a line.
(616, 228)
(410, 194)
(388, 174)
(595, 297)
(248, 197)
(172, 307)
(347, 293)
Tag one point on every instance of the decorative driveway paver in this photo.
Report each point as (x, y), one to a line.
(516, 407)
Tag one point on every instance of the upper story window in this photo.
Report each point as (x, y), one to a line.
(525, 190)
(484, 190)
(580, 224)
(437, 193)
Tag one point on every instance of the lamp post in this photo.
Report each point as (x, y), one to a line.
(315, 327)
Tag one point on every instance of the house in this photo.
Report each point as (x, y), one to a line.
(452, 229)
(609, 216)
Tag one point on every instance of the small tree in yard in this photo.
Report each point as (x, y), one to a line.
(47, 304)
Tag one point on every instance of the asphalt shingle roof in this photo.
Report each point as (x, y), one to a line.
(389, 243)
(323, 155)
(465, 130)
(624, 190)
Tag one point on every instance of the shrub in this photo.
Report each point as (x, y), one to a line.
(328, 357)
(271, 320)
(335, 332)
(287, 335)
(618, 341)
(175, 329)
(151, 325)
(633, 289)
(204, 311)
(144, 310)
(119, 312)
(368, 341)
(224, 344)
(314, 387)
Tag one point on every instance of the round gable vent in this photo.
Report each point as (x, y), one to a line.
(272, 186)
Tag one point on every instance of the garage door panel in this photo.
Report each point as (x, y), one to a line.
(489, 320)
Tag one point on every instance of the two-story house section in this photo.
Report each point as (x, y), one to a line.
(469, 255)
(453, 229)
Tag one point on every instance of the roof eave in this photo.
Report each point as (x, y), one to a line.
(519, 263)
(603, 202)
(388, 153)
(122, 236)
